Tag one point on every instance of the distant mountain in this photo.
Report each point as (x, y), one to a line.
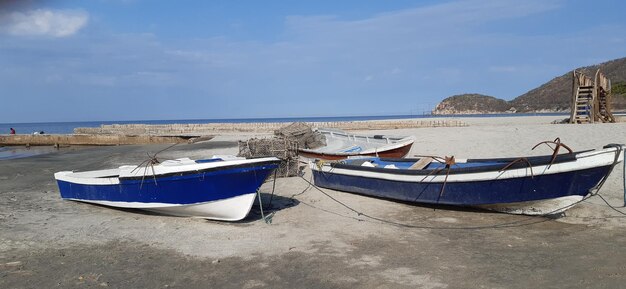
(553, 96)
(472, 104)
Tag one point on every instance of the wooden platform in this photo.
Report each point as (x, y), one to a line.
(591, 99)
(94, 139)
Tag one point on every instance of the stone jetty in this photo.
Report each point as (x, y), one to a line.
(126, 134)
(93, 139)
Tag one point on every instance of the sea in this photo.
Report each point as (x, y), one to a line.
(68, 127)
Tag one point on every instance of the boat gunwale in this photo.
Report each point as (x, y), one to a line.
(70, 177)
(347, 134)
(539, 161)
(211, 169)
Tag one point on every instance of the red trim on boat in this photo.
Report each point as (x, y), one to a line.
(392, 153)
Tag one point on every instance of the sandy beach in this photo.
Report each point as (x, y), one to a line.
(313, 241)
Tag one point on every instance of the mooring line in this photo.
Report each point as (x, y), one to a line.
(517, 223)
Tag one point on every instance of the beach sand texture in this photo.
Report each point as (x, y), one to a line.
(314, 242)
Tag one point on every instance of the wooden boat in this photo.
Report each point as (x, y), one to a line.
(533, 185)
(221, 188)
(340, 145)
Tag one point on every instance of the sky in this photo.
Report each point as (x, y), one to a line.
(97, 60)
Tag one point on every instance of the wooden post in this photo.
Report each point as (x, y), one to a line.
(595, 101)
(572, 118)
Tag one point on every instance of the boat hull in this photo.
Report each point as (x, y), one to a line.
(543, 188)
(222, 193)
(230, 209)
(501, 195)
(391, 153)
(341, 145)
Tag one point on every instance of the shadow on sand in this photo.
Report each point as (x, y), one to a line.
(456, 208)
(271, 205)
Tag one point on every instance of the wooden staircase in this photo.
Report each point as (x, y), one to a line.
(591, 99)
(584, 107)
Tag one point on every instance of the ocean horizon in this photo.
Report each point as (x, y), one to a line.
(68, 127)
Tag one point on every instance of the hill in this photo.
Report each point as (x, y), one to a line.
(472, 104)
(553, 96)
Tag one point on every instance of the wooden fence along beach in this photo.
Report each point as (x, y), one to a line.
(259, 127)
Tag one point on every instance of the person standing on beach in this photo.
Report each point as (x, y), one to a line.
(12, 131)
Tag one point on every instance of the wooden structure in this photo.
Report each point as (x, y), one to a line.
(260, 127)
(591, 99)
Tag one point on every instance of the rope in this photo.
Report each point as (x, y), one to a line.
(267, 220)
(330, 197)
(273, 188)
(618, 150)
(151, 161)
(610, 206)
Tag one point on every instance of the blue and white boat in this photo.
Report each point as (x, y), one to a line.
(532, 185)
(221, 188)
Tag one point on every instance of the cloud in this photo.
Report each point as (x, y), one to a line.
(40, 22)
(454, 15)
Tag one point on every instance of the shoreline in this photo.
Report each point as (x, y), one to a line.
(67, 127)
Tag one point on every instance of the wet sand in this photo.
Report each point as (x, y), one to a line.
(16, 152)
(313, 242)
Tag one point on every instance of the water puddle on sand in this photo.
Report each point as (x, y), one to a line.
(16, 152)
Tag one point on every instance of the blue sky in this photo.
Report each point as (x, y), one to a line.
(141, 60)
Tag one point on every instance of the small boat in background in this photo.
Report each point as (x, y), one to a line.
(533, 185)
(221, 188)
(340, 145)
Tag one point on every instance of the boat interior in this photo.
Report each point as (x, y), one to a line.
(429, 163)
(341, 142)
(100, 174)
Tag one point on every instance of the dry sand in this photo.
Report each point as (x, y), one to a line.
(313, 242)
